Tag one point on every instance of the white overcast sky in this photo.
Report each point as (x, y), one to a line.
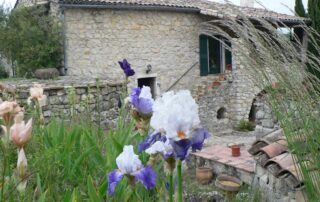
(280, 6)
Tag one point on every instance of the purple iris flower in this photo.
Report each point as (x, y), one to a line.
(141, 99)
(182, 147)
(126, 67)
(130, 165)
(178, 149)
(198, 138)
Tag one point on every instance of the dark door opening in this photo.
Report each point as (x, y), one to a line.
(149, 81)
(253, 111)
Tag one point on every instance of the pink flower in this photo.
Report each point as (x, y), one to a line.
(21, 132)
(8, 110)
(22, 163)
(36, 93)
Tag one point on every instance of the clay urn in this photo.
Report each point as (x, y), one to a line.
(204, 175)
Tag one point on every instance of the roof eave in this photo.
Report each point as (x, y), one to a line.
(283, 22)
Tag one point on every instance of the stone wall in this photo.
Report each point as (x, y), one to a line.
(75, 96)
(276, 189)
(97, 39)
(237, 95)
(263, 115)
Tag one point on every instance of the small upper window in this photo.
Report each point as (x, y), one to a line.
(214, 57)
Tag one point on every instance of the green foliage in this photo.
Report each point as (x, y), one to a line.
(70, 162)
(299, 9)
(296, 102)
(245, 125)
(314, 13)
(30, 39)
(3, 73)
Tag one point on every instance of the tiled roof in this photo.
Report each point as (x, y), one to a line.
(203, 6)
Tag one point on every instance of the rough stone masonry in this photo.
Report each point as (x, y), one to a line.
(75, 96)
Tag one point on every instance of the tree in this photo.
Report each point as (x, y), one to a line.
(30, 39)
(314, 13)
(314, 42)
(299, 9)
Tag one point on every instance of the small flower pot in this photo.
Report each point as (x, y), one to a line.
(204, 175)
(235, 150)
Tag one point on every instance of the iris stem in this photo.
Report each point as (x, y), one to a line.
(180, 192)
(171, 186)
(3, 149)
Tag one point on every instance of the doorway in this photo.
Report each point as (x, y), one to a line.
(148, 81)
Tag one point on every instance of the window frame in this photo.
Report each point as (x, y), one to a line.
(205, 55)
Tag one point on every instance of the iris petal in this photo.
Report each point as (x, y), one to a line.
(126, 67)
(129, 72)
(114, 178)
(144, 105)
(198, 138)
(146, 176)
(150, 140)
(181, 148)
(135, 96)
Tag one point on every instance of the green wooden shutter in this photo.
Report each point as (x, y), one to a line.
(204, 65)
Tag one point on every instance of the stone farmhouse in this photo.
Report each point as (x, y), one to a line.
(164, 43)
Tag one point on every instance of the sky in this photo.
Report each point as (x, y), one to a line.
(280, 6)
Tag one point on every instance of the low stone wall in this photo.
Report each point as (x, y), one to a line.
(276, 189)
(75, 96)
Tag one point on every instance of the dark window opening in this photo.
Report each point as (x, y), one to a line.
(214, 56)
(150, 81)
(228, 57)
(221, 113)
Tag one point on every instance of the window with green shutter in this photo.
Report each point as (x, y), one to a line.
(214, 57)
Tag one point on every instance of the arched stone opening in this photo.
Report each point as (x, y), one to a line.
(253, 111)
(222, 113)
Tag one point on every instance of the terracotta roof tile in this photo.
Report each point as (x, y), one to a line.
(276, 158)
(275, 149)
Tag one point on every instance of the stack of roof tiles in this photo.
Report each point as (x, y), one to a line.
(272, 153)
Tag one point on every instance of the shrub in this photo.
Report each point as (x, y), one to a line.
(245, 125)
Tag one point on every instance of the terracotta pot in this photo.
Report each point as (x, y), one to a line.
(235, 150)
(204, 175)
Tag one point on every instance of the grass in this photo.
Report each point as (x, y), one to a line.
(70, 162)
(268, 57)
(246, 126)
